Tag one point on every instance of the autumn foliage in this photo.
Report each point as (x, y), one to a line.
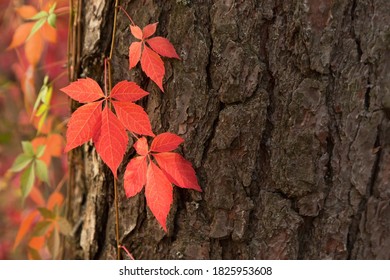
(33, 166)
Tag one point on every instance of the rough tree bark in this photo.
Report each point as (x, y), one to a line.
(283, 108)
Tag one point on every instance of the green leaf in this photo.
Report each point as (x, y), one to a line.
(52, 8)
(28, 148)
(41, 228)
(46, 213)
(51, 19)
(21, 162)
(42, 109)
(64, 225)
(40, 15)
(40, 151)
(41, 171)
(42, 93)
(34, 254)
(53, 243)
(5, 138)
(42, 121)
(45, 80)
(36, 27)
(47, 96)
(27, 180)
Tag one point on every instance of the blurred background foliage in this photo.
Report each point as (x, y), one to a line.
(22, 77)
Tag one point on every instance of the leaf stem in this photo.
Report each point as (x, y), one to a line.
(118, 246)
(129, 17)
(127, 252)
(105, 77)
(62, 10)
(49, 65)
(114, 29)
(63, 73)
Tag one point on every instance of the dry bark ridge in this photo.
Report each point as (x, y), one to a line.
(280, 106)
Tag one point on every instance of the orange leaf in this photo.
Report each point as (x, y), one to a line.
(37, 196)
(48, 33)
(21, 34)
(37, 242)
(55, 198)
(34, 48)
(25, 226)
(26, 11)
(28, 88)
(54, 144)
(47, 125)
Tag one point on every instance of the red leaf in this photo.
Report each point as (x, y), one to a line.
(149, 30)
(166, 142)
(163, 47)
(127, 91)
(84, 90)
(141, 146)
(133, 117)
(153, 66)
(136, 31)
(111, 143)
(135, 176)
(83, 124)
(134, 54)
(158, 193)
(179, 171)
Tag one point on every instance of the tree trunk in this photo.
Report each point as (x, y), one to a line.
(282, 105)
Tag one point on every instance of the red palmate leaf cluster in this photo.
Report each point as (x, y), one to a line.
(107, 130)
(151, 62)
(172, 169)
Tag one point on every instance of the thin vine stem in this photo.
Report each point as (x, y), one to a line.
(118, 246)
(49, 65)
(62, 11)
(128, 16)
(127, 252)
(108, 63)
(105, 78)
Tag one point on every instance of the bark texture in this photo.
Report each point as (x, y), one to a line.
(283, 108)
